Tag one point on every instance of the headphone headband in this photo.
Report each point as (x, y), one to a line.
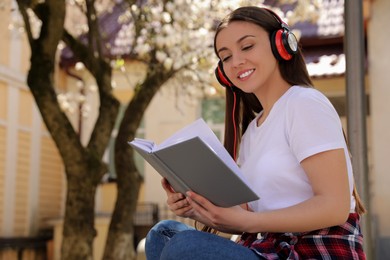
(282, 23)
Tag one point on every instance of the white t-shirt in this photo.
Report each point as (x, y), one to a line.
(301, 123)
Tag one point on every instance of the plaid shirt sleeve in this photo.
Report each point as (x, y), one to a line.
(338, 242)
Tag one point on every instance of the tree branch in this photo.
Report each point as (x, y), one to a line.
(93, 32)
(27, 26)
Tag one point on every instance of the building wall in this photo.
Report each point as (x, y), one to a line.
(379, 64)
(3, 105)
(31, 173)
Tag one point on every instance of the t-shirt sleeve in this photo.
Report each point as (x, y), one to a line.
(313, 125)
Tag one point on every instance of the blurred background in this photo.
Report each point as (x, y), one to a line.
(78, 79)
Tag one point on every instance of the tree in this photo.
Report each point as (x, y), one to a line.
(174, 40)
(167, 54)
(83, 165)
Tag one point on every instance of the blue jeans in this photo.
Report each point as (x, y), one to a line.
(170, 240)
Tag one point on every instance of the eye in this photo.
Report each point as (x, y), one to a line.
(225, 58)
(247, 47)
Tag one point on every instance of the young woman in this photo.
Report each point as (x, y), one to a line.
(292, 151)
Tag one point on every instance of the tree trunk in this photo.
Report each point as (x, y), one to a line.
(83, 165)
(120, 239)
(120, 236)
(78, 226)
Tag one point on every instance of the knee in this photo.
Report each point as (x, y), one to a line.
(165, 230)
(160, 234)
(182, 245)
(166, 226)
(158, 229)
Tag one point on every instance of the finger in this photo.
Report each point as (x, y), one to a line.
(175, 197)
(182, 208)
(166, 186)
(181, 203)
(193, 202)
(200, 200)
(187, 212)
(203, 207)
(197, 206)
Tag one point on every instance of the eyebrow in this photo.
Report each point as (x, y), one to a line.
(238, 41)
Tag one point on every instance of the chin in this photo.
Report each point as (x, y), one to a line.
(247, 90)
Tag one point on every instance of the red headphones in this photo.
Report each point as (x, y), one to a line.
(221, 76)
(284, 45)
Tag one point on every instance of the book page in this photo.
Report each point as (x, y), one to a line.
(146, 145)
(197, 128)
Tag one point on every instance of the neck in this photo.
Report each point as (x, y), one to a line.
(271, 94)
(268, 97)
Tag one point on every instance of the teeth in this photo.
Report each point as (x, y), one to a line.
(246, 74)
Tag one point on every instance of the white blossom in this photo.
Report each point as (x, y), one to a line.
(179, 33)
(168, 62)
(161, 56)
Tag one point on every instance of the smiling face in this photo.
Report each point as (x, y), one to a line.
(245, 51)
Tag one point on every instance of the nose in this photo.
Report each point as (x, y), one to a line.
(238, 60)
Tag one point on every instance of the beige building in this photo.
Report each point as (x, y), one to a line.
(32, 182)
(31, 172)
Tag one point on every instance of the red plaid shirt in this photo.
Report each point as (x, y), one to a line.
(338, 242)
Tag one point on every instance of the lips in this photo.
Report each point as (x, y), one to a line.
(246, 74)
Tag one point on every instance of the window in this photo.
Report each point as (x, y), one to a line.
(213, 112)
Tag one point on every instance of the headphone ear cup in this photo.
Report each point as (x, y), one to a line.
(290, 42)
(278, 42)
(221, 76)
(273, 46)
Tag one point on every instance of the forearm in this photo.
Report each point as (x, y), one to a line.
(315, 213)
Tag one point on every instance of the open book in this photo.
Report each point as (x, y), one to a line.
(194, 159)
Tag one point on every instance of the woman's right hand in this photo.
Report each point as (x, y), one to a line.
(177, 202)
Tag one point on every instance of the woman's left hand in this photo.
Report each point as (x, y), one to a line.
(228, 220)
